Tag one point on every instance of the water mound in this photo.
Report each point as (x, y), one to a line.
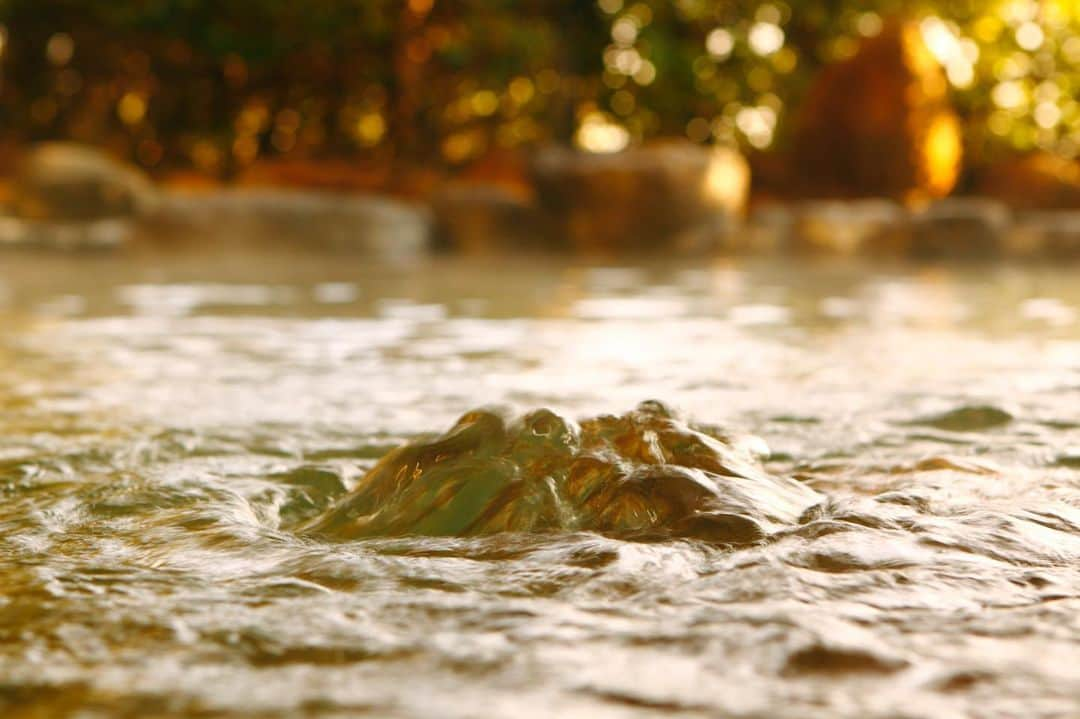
(646, 474)
(969, 419)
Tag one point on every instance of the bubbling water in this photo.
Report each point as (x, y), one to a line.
(646, 474)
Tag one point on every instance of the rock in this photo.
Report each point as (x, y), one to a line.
(342, 176)
(1037, 181)
(63, 182)
(369, 223)
(1054, 234)
(879, 124)
(970, 227)
(71, 196)
(656, 197)
(769, 228)
(876, 226)
(100, 234)
(472, 217)
(645, 474)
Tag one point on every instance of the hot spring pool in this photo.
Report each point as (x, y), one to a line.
(164, 419)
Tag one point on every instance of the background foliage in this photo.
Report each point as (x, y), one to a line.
(218, 84)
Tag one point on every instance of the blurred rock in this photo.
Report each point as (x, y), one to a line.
(380, 225)
(970, 227)
(672, 195)
(876, 226)
(879, 124)
(343, 176)
(69, 196)
(1053, 234)
(105, 233)
(507, 169)
(474, 217)
(769, 228)
(1038, 181)
(64, 182)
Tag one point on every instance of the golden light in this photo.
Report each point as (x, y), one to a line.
(626, 61)
(60, 49)
(1009, 95)
(757, 124)
(868, 24)
(624, 31)
(599, 134)
(645, 74)
(769, 14)
(206, 156)
(955, 55)
(623, 103)
(641, 12)
(698, 129)
(484, 103)
(944, 151)
(245, 149)
(1019, 11)
(1047, 114)
(1071, 50)
(370, 128)
(719, 43)
(939, 38)
(727, 180)
(999, 123)
(132, 108)
(521, 90)
(765, 38)
(462, 146)
(1030, 36)
(785, 60)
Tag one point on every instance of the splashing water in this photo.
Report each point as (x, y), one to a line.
(645, 473)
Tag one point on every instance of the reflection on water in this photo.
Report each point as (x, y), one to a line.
(166, 425)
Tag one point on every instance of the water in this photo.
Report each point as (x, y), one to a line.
(167, 422)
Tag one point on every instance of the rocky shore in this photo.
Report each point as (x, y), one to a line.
(668, 198)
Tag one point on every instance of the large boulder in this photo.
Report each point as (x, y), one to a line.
(368, 223)
(65, 182)
(70, 196)
(1036, 181)
(871, 226)
(1053, 234)
(879, 124)
(475, 218)
(968, 227)
(670, 195)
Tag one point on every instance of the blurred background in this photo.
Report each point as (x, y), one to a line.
(905, 101)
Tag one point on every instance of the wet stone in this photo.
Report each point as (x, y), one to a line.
(878, 226)
(312, 219)
(65, 182)
(961, 227)
(69, 196)
(1053, 234)
(471, 217)
(666, 196)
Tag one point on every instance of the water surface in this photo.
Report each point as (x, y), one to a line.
(166, 421)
